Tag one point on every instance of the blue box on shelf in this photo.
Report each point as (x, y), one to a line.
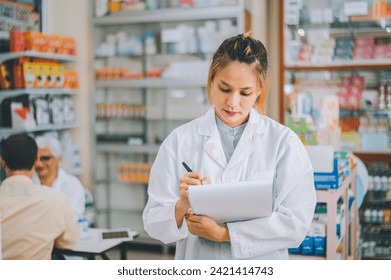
(307, 246)
(295, 251)
(332, 180)
(319, 245)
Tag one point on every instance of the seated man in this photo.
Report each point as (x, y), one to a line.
(52, 175)
(33, 218)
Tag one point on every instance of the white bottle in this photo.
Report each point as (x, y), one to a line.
(367, 215)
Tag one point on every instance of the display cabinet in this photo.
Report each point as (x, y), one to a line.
(335, 73)
(375, 212)
(341, 243)
(150, 77)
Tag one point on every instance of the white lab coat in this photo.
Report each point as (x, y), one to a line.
(265, 147)
(72, 188)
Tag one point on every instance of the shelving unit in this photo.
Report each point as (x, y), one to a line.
(349, 238)
(347, 244)
(9, 93)
(120, 204)
(375, 211)
(310, 48)
(324, 45)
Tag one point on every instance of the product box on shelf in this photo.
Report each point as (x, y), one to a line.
(329, 180)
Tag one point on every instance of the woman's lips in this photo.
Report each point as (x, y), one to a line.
(229, 113)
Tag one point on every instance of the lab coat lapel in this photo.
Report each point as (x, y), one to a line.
(214, 148)
(213, 145)
(243, 149)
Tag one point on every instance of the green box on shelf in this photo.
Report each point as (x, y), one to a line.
(299, 126)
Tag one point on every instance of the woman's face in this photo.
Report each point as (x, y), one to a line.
(235, 90)
(46, 164)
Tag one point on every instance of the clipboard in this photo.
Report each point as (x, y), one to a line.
(232, 202)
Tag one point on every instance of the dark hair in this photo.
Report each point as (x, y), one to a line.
(19, 151)
(244, 49)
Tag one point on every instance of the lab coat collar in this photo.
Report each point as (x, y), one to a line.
(207, 127)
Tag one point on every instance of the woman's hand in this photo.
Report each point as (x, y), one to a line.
(182, 206)
(206, 227)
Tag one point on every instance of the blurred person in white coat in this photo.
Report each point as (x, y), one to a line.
(232, 142)
(49, 173)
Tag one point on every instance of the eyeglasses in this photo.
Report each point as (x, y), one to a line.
(45, 158)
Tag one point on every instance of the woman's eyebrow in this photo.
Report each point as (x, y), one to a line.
(228, 85)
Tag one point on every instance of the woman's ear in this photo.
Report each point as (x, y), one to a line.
(258, 97)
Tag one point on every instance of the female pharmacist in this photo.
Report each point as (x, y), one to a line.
(232, 142)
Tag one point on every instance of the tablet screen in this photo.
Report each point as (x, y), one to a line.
(115, 234)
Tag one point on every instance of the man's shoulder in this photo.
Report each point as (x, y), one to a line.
(47, 193)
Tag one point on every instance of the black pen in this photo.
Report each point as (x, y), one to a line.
(188, 169)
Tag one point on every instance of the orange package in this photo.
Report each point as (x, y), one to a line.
(69, 45)
(17, 41)
(5, 76)
(29, 78)
(43, 42)
(32, 41)
(71, 78)
(55, 44)
(51, 70)
(40, 75)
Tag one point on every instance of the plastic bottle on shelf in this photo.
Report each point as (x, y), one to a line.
(367, 215)
(150, 44)
(376, 183)
(370, 182)
(373, 217)
(384, 183)
(382, 96)
(389, 96)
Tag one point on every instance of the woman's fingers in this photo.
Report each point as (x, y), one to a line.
(205, 181)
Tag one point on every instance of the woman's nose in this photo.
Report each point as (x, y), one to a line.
(233, 100)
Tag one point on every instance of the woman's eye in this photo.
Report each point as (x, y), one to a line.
(245, 93)
(225, 90)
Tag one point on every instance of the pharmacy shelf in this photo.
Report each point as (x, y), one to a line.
(359, 64)
(305, 257)
(4, 132)
(124, 148)
(16, 22)
(169, 15)
(331, 197)
(35, 92)
(372, 156)
(15, 55)
(151, 83)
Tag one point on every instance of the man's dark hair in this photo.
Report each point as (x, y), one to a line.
(19, 152)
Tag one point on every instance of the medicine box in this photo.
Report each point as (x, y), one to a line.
(307, 246)
(319, 246)
(296, 251)
(332, 180)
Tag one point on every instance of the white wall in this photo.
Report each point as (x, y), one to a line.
(264, 28)
(72, 18)
(274, 45)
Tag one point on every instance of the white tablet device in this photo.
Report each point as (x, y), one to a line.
(232, 201)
